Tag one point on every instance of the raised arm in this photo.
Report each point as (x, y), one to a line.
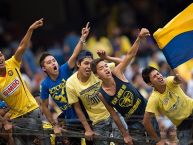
(130, 54)
(177, 78)
(102, 54)
(26, 39)
(123, 130)
(79, 46)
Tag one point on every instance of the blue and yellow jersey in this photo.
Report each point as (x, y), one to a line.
(57, 90)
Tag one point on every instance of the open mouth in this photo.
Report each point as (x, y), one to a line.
(88, 71)
(161, 80)
(55, 68)
(1, 61)
(108, 72)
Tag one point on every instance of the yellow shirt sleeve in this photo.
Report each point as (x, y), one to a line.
(13, 63)
(16, 63)
(152, 105)
(71, 93)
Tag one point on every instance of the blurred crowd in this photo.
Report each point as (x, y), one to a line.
(119, 25)
(115, 35)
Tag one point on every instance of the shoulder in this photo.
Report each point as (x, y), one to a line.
(72, 79)
(170, 81)
(152, 104)
(45, 82)
(93, 76)
(12, 61)
(66, 66)
(154, 97)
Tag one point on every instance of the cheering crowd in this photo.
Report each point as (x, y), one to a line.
(100, 94)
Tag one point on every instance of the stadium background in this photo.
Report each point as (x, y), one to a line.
(114, 26)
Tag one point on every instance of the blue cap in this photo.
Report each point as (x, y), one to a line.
(83, 54)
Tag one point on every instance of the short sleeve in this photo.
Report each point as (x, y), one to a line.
(13, 62)
(44, 91)
(71, 93)
(66, 70)
(170, 81)
(152, 105)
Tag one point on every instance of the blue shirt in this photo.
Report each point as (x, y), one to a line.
(57, 90)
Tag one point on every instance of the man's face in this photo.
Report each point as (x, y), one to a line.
(103, 70)
(84, 67)
(156, 79)
(2, 60)
(50, 66)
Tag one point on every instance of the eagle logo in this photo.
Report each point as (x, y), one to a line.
(126, 100)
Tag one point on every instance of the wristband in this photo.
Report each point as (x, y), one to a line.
(53, 124)
(82, 40)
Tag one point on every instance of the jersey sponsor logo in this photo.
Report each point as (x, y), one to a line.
(10, 72)
(10, 89)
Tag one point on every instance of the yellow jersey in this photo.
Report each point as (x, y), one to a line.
(87, 92)
(14, 91)
(173, 103)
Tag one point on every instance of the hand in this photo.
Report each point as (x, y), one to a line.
(143, 33)
(36, 24)
(85, 31)
(7, 125)
(161, 142)
(102, 54)
(128, 140)
(57, 129)
(89, 135)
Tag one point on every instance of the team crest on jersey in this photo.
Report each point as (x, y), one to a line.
(11, 88)
(126, 100)
(10, 72)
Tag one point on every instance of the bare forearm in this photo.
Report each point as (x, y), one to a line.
(79, 46)
(82, 118)
(72, 60)
(23, 45)
(114, 59)
(148, 126)
(26, 39)
(48, 115)
(134, 48)
(119, 124)
(177, 78)
(24, 42)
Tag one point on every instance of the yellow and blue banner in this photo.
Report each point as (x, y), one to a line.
(175, 39)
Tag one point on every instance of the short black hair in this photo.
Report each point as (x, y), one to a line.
(94, 64)
(42, 57)
(146, 72)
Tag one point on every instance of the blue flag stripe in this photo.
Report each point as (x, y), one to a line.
(179, 49)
